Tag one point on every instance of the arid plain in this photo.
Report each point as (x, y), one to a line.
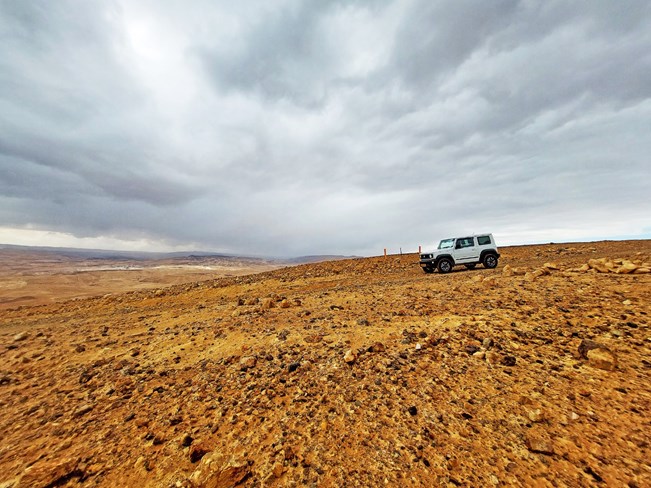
(360, 372)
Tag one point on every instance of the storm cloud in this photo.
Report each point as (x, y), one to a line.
(305, 127)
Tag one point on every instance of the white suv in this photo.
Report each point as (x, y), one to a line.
(468, 251)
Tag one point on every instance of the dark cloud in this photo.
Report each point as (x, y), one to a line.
(307, 127)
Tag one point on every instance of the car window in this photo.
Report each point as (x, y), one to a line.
(446, 243)
(465, 242)
(483, 240)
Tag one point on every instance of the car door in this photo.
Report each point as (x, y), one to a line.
(465, 250)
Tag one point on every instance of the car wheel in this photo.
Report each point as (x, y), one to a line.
(471, 266)
(428, 269)
(445, 265)
(490, 261)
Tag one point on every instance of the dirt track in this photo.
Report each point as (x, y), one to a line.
(351, 373)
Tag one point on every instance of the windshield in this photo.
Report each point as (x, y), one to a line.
(446, 243)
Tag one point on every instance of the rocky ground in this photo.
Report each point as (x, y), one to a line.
(363, 372)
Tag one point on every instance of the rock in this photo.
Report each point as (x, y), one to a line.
(350, 357)
(285, 304)
(278, 470)
(412, 410)
(492, 357)
(218, 471)
(377, 347)
(472, 347)
(600, 265)
(487, 343)
(508, 360)
(313, 338)
(538, 441)
(21, 336)
(198, 451)
(9, 483)
(642, 270)
(585, 346)
(83, 410)
(602, 358)
(266, 303)
(626, 268)
(187, 440)
(536, 415)
(507, 271)
(480, 354)
(293, 366)
(552, 266)
(247, 362)
(47, 474)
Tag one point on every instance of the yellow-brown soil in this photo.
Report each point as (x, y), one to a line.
(363, 372)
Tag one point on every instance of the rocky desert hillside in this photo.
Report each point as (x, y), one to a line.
(362, 372)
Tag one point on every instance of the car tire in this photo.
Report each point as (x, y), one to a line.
(471, 266)
(445, 265)
(490, 261)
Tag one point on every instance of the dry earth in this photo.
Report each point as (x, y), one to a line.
(36, 277)
(362, 372)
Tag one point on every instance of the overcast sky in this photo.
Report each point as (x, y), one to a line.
(281, 127)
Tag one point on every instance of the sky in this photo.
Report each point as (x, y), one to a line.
(286, 128)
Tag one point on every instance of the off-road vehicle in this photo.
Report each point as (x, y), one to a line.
(469, 251)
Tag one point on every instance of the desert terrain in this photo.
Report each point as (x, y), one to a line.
(33, 276)
(361, 372)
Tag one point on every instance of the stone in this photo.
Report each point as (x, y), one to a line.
(21, 336)
(313, 338)
(586, 345)
(472, 347)
(377, 347)
(536, 415)
(552, 266)
(413, 410)
(642, 270)
(480, 354)
(602, 358)
(492, 357)
(538, 441)
(198, 451)
(266, 303)
(350, 357)
(278, 470)
(83, 410)
(487, 343)
(598, 355)
(600, 265)
(46, 474)
(247, 362)
(626, 267)
(508, 360)
(293, 366)
(285, 304)
(219, 471)
(507, 271)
